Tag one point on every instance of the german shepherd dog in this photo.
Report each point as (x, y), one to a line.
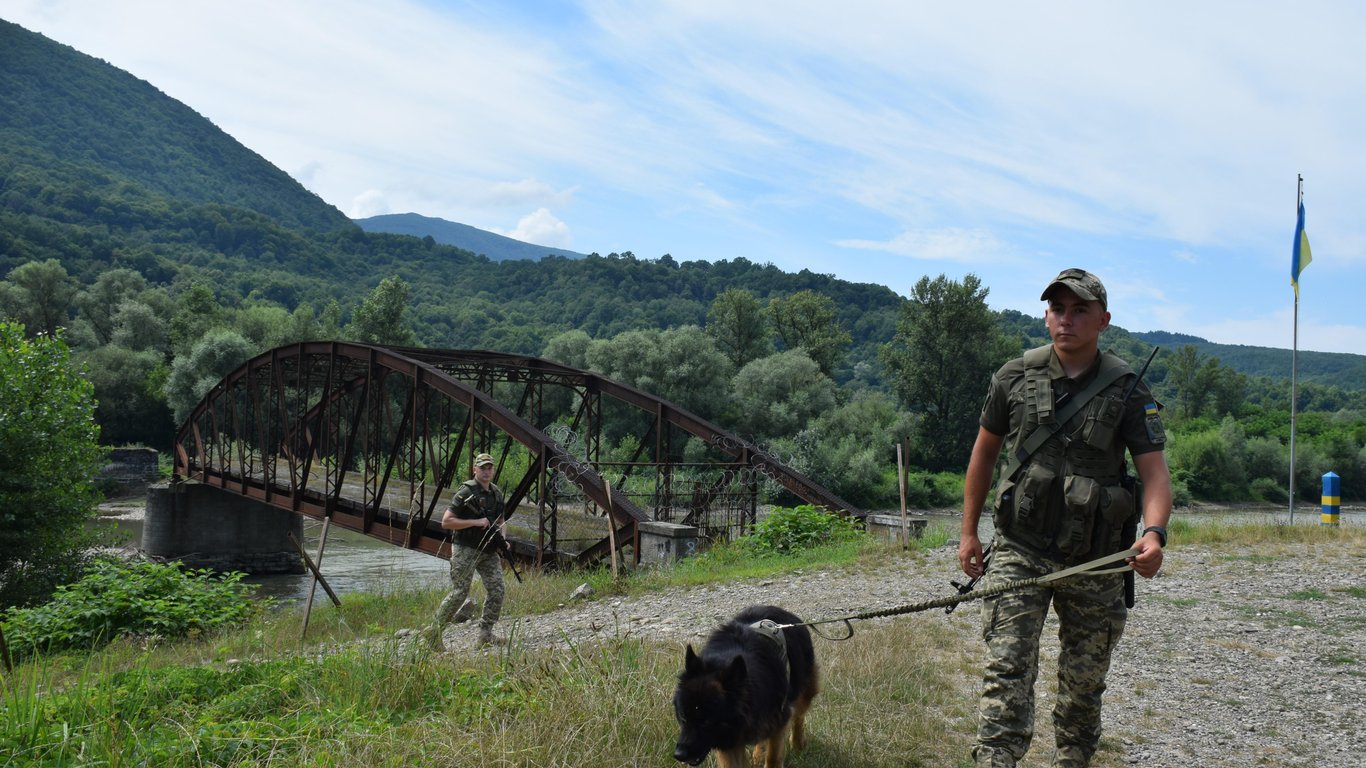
(749, 684)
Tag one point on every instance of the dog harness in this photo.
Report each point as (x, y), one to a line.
(773, 632)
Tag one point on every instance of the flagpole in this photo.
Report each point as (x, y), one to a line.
(1294, 367)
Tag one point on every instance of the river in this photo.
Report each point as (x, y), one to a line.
(351, 563)
(355, 563)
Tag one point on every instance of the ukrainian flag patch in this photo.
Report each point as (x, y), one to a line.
(1150, 409)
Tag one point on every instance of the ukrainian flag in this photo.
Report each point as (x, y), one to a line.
(1301, 257)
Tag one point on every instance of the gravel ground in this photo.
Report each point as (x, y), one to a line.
(1231, 658)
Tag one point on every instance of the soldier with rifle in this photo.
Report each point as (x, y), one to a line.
(1066, 413)
(477, 521)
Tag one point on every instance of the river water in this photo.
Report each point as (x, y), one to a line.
(351, 562)
(354, 563)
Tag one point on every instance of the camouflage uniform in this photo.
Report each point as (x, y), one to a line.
(1046, 534)
(1091, 617)
(471, 551)
(464, 562)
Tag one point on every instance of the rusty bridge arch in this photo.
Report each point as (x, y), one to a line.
(374, 438)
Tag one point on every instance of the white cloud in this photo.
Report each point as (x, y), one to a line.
(521, 193)
(968, 246)
(371, 202)
(540, 227)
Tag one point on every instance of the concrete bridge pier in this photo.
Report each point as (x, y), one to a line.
(206, 527)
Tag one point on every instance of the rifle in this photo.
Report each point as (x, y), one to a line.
(963, 589)
(1131, 526)
(493, 536)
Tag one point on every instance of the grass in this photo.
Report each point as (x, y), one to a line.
(1269, 535)
(898, 693)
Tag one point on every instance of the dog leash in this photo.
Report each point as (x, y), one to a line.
(1092, 568)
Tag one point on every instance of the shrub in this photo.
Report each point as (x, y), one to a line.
(119, 598)
(1266, 489)
(791, 529)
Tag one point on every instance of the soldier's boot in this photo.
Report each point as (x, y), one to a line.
(466, 610)
(486, 637)
(1070, 756)
(988, 757)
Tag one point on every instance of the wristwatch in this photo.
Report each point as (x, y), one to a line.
(1160, 531)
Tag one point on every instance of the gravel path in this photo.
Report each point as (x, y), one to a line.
(1244, 658)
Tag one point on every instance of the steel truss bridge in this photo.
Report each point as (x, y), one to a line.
(375, 439)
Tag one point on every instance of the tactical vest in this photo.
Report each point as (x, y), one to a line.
(1071, 499)
(472, 502)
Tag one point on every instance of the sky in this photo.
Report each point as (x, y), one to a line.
(1157, 144)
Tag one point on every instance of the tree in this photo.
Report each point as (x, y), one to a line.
(131, 407)
(44, 295)
(681, 365)
(947, 345)
(49, 456)
(1184, 376)
(807, 320)
(736, 321)
(101, 302)
(196, 312)
(569, 348)
(136, 326)
(776, 396)
(379, 320)
(213, 357)
(851, 449)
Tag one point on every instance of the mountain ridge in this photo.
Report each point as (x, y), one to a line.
(492, 245)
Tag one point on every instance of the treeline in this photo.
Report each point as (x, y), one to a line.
(779, 368)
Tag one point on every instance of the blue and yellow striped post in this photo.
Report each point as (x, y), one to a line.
(1332, 499)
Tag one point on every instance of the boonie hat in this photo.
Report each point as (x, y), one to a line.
(1086, 285)
(482, 459)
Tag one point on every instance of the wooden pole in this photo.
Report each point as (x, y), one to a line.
(905, 521)
(313, 587)
(308, 561)
(611, 525)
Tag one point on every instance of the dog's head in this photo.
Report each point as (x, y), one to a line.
(708, 704)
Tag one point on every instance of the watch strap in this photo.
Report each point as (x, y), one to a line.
(1160, 531)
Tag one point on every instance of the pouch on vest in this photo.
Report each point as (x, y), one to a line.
(1030, 510)
(1081, 499)
(1117, 513)
(1103, 415)
(1034, 499)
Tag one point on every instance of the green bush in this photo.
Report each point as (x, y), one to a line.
(1266, 489)
(791, 529)
(118, 598)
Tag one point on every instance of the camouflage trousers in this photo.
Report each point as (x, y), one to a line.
(1091, 617)
(464, 562)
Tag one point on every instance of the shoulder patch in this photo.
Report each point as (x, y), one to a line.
(1152, 421)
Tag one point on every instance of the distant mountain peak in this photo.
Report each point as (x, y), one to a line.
(496, 247)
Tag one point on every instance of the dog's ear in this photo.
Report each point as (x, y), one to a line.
(736, 674)
(691, 663)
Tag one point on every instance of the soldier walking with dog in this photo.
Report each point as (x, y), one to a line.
(476, 507)
(1066, 413)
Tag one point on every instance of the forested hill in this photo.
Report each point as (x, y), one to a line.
(72, 125)
(495, 246)
(1327, 368)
